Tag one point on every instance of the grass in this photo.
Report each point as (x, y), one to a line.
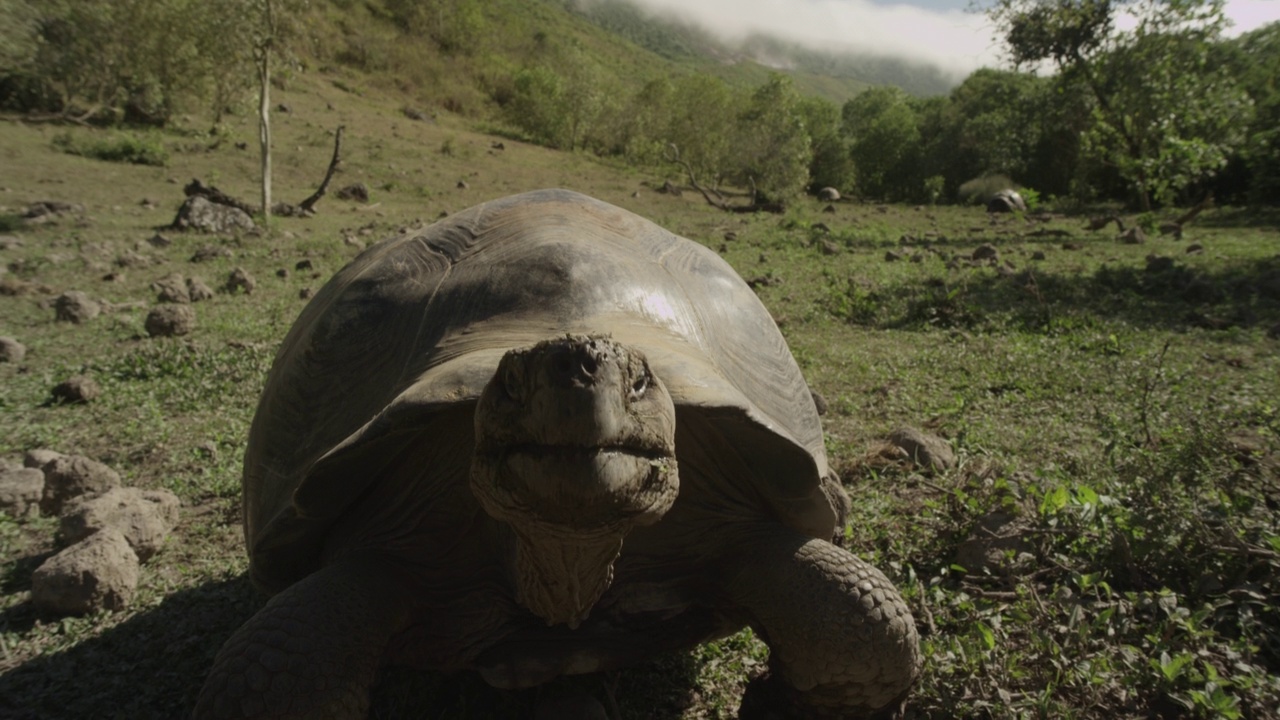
(1120, 413)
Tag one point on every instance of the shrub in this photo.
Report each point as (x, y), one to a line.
(118, 148)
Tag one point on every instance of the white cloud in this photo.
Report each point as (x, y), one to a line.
(957, 41)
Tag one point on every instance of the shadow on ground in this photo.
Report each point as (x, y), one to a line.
(151, 667)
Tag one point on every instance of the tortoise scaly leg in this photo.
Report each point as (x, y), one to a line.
(312, 651)
(843, 642)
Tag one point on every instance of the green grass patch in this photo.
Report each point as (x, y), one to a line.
(129, 148)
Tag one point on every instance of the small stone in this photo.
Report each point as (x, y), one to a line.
(358, 192)
(282, 273)
(1195, 249)
(75, 307)
(240, 279)
(892, 256)
(985, 251)
(462, 185)
(77, 389)
(819, 402)
(304, 264)
(159, 241)
(197, 290)
(172, 289)
(170, 320)
(1038, 255)
(829, 248)
(11, 350)
(1133, 236)
(20, 491)
(101, 572)
(306, 293)
(923, 449)
(144, 517)
(210, 252)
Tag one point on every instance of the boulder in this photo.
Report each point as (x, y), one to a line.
(20, 491)
(40, 458)
(143, 517)
(240, 279)
(98, 573)
(76, 390)
(197, 290)
(170, 320)
(201, 214)
(172, 289)
(70, 476)
(927, 451)
(829, 194)
(75, 307)
(11, 350)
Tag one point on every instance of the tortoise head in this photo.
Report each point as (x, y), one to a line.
(575, 445)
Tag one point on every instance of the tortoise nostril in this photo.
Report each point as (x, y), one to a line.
(589, 364)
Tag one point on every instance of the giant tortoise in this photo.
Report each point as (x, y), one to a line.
(546, 437)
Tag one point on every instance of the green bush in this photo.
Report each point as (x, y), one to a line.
(133, 149)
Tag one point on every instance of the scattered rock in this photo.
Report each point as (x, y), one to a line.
(985, 251)
(70, 476)
(1195, 249)
(829, 194)
(76, 307)
(829, 248)
(892, 256)
(829, 209)
(669, 188)
(284, 108)
(306, 293)
(134, 259)
(143, 517)
(197, 290)
(20, 491)
(819, 402)
(210, 252)
(46, 211)
(11, 350)
(414, 114)
(997, 545)
(170, 320)
(1038, 255)
(358, 192)
(172, 289)
(76, 390)
(240, 279)
(923, 449)
(99, 573)
(1158, 263)
(40, 458)
(1133, 236)
(282, 273)
(1072, 246)
(10, 242)
(159, 241)
(304, 264)
(200, 213)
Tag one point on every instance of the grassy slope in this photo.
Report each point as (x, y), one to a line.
(1047, 384)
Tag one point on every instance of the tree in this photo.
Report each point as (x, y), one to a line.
(1162, 115)
(830, 164)
(773, 144)
(885, 143)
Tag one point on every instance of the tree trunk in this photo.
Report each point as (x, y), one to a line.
(264, 127)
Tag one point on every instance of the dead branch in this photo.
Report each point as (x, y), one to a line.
(307, 205)
(673, 155)
(1200, 207)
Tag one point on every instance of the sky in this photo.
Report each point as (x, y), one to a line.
(941, 32)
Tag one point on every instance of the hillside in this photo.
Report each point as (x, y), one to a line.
(835, 76)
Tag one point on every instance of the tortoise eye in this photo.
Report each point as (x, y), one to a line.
(640, 386)
(511, 382)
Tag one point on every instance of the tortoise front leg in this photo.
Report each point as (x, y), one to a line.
(312, 652)
(843, 643)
